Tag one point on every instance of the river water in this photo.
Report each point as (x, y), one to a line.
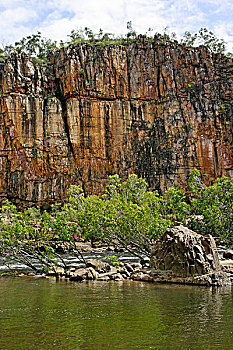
(38, 313)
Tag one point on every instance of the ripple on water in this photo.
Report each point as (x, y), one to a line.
(45, 314)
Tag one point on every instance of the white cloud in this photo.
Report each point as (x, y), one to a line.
(56, 18)
(225, 31)
(57, 29)
(15, 23)
(18, 15)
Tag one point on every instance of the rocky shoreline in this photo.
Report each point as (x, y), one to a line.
(145, 272)
(97, 270)
(180, 256)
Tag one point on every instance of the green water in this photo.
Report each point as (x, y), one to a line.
(44, 314)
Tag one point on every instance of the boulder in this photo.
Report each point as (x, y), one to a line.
(183, 256)
(56, 271)
(103, 277)
(113, 272)
(142, 276)
(116, 277)
(92, 274)
(99, 265)
(79, 275)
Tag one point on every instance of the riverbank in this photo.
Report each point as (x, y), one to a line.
(97, 270)
(108, 263)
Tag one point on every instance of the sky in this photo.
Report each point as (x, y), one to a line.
(56, 18)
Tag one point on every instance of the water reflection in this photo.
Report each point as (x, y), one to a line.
(201, 317)
(45, 314)
(212, 316)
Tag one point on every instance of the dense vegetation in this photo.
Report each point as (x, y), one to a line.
(38, 47)
(128, 214)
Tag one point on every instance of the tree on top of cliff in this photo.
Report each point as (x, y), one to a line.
(33, 45)
(131, 32)
(38, 47)
(204, 37)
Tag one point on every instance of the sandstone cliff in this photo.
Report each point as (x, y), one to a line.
(145, 108)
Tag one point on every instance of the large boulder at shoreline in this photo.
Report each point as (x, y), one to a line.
(183, 256)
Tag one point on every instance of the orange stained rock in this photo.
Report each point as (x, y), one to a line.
(146, 108)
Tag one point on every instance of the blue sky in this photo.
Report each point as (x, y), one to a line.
(56, 18)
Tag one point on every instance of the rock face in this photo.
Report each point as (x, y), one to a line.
(146, 108)
(181, 255)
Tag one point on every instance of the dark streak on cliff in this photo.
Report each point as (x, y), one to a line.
(148, 108)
